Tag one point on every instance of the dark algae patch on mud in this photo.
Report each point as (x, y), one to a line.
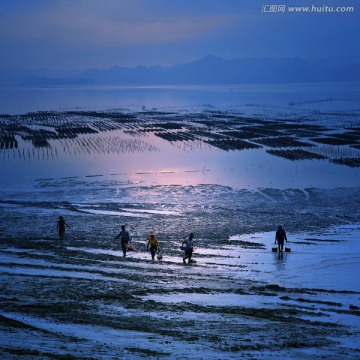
(296, 154)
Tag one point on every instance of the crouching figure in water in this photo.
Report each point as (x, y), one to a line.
(154, 245)
(189, 248)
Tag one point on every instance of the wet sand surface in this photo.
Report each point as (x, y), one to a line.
(80, 299)
(61, 301)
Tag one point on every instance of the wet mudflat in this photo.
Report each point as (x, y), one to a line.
(176, 172)
(63, 300)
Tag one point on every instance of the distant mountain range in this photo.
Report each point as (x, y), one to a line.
(210, 70)
(32, 80)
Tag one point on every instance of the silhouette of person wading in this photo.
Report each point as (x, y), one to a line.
(61, 227)
(280, 236)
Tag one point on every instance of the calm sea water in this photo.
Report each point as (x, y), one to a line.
(19, 100)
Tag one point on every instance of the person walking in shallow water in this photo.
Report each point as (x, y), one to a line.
(61, 227)
(124, 238)
(280, 236)
(189, 248)
(154, 245)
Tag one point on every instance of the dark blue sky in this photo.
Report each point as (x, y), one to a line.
(79, 34)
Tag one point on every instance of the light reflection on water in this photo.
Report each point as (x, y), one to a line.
(158, 162)
(331, 262)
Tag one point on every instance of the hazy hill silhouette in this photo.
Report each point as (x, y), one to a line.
(213, 70)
